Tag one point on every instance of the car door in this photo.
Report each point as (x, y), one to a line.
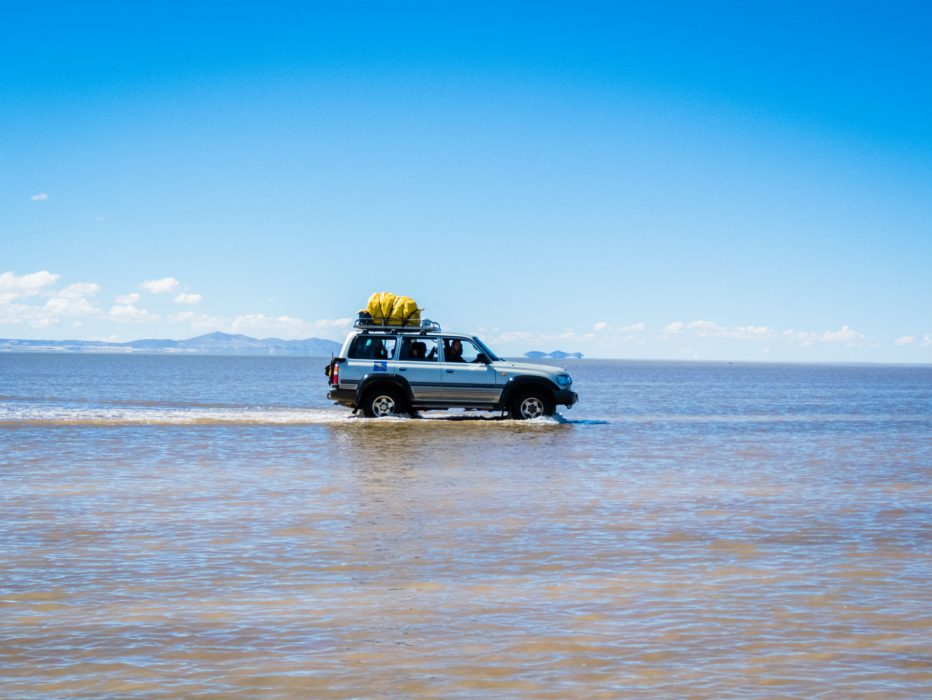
(466, 380)
(418, 363)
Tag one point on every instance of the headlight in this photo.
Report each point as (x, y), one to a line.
(564, 379)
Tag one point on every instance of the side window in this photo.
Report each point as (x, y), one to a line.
(368, 347)
(418, 349)
(458, 350)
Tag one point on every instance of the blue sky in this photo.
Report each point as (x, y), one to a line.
(747, 181)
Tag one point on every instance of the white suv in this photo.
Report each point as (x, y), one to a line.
(387, 370)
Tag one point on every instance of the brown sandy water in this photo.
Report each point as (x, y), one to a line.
(687, 531)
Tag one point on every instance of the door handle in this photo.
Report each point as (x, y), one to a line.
(449, 371)
(402, 369)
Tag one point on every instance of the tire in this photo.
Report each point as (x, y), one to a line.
(383, 402)
(532, 403)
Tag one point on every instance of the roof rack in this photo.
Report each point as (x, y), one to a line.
(423, 327)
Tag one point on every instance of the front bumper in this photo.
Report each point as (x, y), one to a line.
(565, 397)
(345, 397)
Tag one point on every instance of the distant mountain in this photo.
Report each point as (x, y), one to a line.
(209, 344)
(555, 355)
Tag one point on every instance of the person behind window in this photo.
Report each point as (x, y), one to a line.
(362, 348)
(418, 350)
(454, 351)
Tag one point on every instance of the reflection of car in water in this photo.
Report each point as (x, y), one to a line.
(387, 370)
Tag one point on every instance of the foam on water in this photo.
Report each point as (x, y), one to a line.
(121, 415)
(28, 413)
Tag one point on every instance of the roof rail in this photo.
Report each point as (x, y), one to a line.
(423, 327)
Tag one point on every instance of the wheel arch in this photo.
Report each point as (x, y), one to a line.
(518, 384)
(370, 381)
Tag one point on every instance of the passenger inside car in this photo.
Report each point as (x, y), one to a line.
(453, 350)
(419, 350)
(370, 348)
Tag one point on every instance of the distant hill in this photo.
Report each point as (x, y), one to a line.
(555, 355)
(209, 344)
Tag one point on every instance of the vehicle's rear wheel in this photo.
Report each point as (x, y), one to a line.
(530, 404)
(383, 402)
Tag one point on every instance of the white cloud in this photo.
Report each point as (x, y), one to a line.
(184, 298)
(704, 327)
(198, 322)
(847, 336)
(127, 298)
(170, 285)
(71, 302)
(260, 324)
(129, 312)
(926, 340)
(40, 197)
(16, 313)
(634, 328)
(803, 338)
(13, 286)
(602, 335)
(338, 326)
(905, 340)
(677, 327)
(531, 338)
(844, 336)
(710, 329)
(166, 285)
(78, 290)
(506, 337)
(604, 327)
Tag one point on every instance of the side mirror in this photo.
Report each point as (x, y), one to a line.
(483, 358)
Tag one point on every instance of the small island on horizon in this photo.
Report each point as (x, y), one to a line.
(554, 355)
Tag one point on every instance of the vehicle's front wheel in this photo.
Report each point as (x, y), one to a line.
(383, 402)
(532, 404)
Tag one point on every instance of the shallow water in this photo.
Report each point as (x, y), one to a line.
(188, 526)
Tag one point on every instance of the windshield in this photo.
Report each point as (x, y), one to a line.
(485, 349)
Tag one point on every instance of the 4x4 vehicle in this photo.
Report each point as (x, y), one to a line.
(388, 370)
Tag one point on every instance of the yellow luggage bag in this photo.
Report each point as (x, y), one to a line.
(390, 309)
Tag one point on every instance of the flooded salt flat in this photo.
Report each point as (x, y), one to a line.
(175, 527)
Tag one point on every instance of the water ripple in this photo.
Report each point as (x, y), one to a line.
(675, 535)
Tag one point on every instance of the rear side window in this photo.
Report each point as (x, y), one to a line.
(419, 349)
(368, 347)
